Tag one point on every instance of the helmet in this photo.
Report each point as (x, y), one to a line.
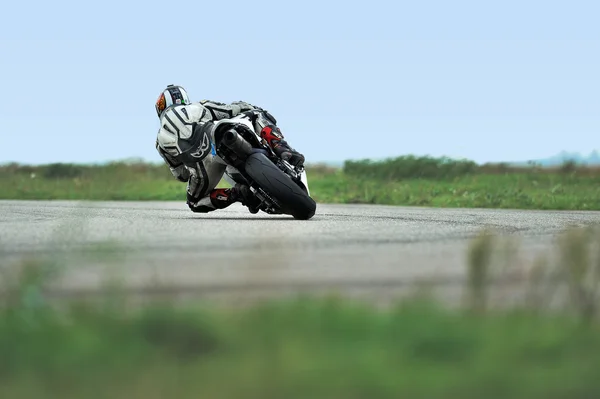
(172, 95)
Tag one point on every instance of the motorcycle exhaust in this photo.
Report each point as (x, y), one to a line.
(237, 143)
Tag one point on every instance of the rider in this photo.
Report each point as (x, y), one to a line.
(183, 144)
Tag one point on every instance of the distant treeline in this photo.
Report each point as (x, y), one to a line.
(411, 167)
(403, 167)
(72, 171)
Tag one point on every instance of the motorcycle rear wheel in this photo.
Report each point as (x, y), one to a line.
(280, 186)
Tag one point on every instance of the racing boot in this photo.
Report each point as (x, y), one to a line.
(274, 138)
(242, 193)
(221, 198)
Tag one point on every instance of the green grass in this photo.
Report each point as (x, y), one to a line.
(402, 181)
(511, 190)
(296, 349)
(115, 181)
(306, 347)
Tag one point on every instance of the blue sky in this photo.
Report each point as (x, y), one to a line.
(510, 80)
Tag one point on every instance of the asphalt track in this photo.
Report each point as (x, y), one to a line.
(364, 251)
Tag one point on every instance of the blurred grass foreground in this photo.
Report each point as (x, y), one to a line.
(405, 180)
(314, 348)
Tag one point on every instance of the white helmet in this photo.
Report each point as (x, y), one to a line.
(172, 95)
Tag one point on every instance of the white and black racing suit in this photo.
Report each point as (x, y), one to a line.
(185, 143)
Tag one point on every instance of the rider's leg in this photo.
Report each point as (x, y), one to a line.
(270, 132)
(202, 197)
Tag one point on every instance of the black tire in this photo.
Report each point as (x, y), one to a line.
(280, 186)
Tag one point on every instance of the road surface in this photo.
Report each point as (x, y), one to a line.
(372, 252)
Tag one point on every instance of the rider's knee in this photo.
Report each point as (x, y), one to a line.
(200, 209)
(193, 204)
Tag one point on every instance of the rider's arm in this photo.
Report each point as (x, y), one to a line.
(178, 169)
(223, 111)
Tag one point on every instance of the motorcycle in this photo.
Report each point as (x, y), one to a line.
(281, 187)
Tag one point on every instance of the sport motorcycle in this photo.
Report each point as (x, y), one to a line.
(281, 187)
